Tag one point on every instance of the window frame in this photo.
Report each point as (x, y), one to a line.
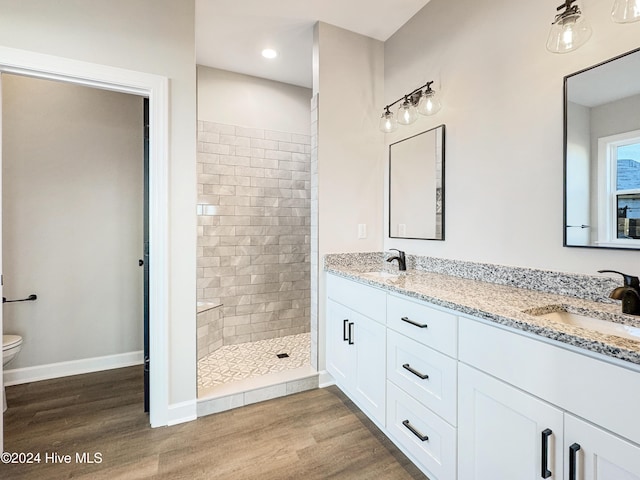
(608, 189)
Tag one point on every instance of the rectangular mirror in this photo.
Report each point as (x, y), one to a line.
(416, 186)
(602, 155)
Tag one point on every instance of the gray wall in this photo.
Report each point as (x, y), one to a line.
(72, 189)
(502, 105)
(151, 36)
(235, 99)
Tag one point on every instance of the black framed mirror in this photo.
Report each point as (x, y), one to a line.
(602, 155)
(416, 186)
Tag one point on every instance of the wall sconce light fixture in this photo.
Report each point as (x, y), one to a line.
(417, 102)
(625, 11)
(569, 30)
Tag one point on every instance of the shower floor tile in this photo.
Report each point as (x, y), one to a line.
(246, 360)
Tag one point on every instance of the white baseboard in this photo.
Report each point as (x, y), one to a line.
(325, 379)
(182, 412)
(75, 367)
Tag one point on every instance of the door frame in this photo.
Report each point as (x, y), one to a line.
(156, 88)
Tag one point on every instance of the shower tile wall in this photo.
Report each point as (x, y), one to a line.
(254, 228)
(209, 333)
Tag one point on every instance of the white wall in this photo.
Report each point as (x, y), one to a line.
(502, 105)
(72, 220)
(236, 99)
(348, 71)
(151, 36)
(350, 146)
(579, 172)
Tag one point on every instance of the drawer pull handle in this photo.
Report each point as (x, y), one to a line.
(344, 329)
(423, 376)
(350, 333)
(413, 430)
(413, 322)
(573, 450)
(544, 461)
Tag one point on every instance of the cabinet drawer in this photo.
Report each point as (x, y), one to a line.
(363, 299)
(432, 327)
(605, 394)
(409, 361)
(407, 419)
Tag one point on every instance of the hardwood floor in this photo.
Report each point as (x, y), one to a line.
(318, 434)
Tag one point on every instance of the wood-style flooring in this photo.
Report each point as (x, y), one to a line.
(318, 434)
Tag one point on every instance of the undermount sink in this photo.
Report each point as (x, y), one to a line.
(381, 274)
(602, 326)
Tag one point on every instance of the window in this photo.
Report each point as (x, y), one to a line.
(628, 190)
(619, 188)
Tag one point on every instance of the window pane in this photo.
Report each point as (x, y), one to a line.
(628, 167)
(629, 216)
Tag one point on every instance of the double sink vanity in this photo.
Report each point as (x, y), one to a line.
(484, 372)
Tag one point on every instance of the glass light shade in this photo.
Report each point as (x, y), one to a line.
(625, 11)
(429, 103)
(407, 113)
(568, 33)
(388, 122)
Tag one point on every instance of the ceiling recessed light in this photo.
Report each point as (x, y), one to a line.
(269, 53)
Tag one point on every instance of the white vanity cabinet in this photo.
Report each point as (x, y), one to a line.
(356, 343)
(504, 433)
(527, 410)
(395, 358)
(594, 454)
(466, 399)
(422, 384)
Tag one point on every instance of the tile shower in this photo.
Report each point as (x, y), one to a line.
(253, 251)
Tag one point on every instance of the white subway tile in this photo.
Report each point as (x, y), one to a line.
(280, 136)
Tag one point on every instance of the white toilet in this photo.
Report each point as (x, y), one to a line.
(11, 345)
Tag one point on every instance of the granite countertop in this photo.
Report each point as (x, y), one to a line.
(511, 306)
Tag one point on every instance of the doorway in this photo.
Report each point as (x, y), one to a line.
(72, 227)
(156, 89)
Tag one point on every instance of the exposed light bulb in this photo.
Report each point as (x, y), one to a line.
(569, 30)
(567, 36)
(407, 113)
(429, 103)
(388, 122)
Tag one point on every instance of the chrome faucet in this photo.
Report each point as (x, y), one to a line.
(629, 293)
(402, 262)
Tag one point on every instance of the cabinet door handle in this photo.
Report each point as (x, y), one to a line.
(413, 430)
(344, 329)
(423, 376)
(573, 451)
(414, 323)
(544, 462)
(350, 333)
